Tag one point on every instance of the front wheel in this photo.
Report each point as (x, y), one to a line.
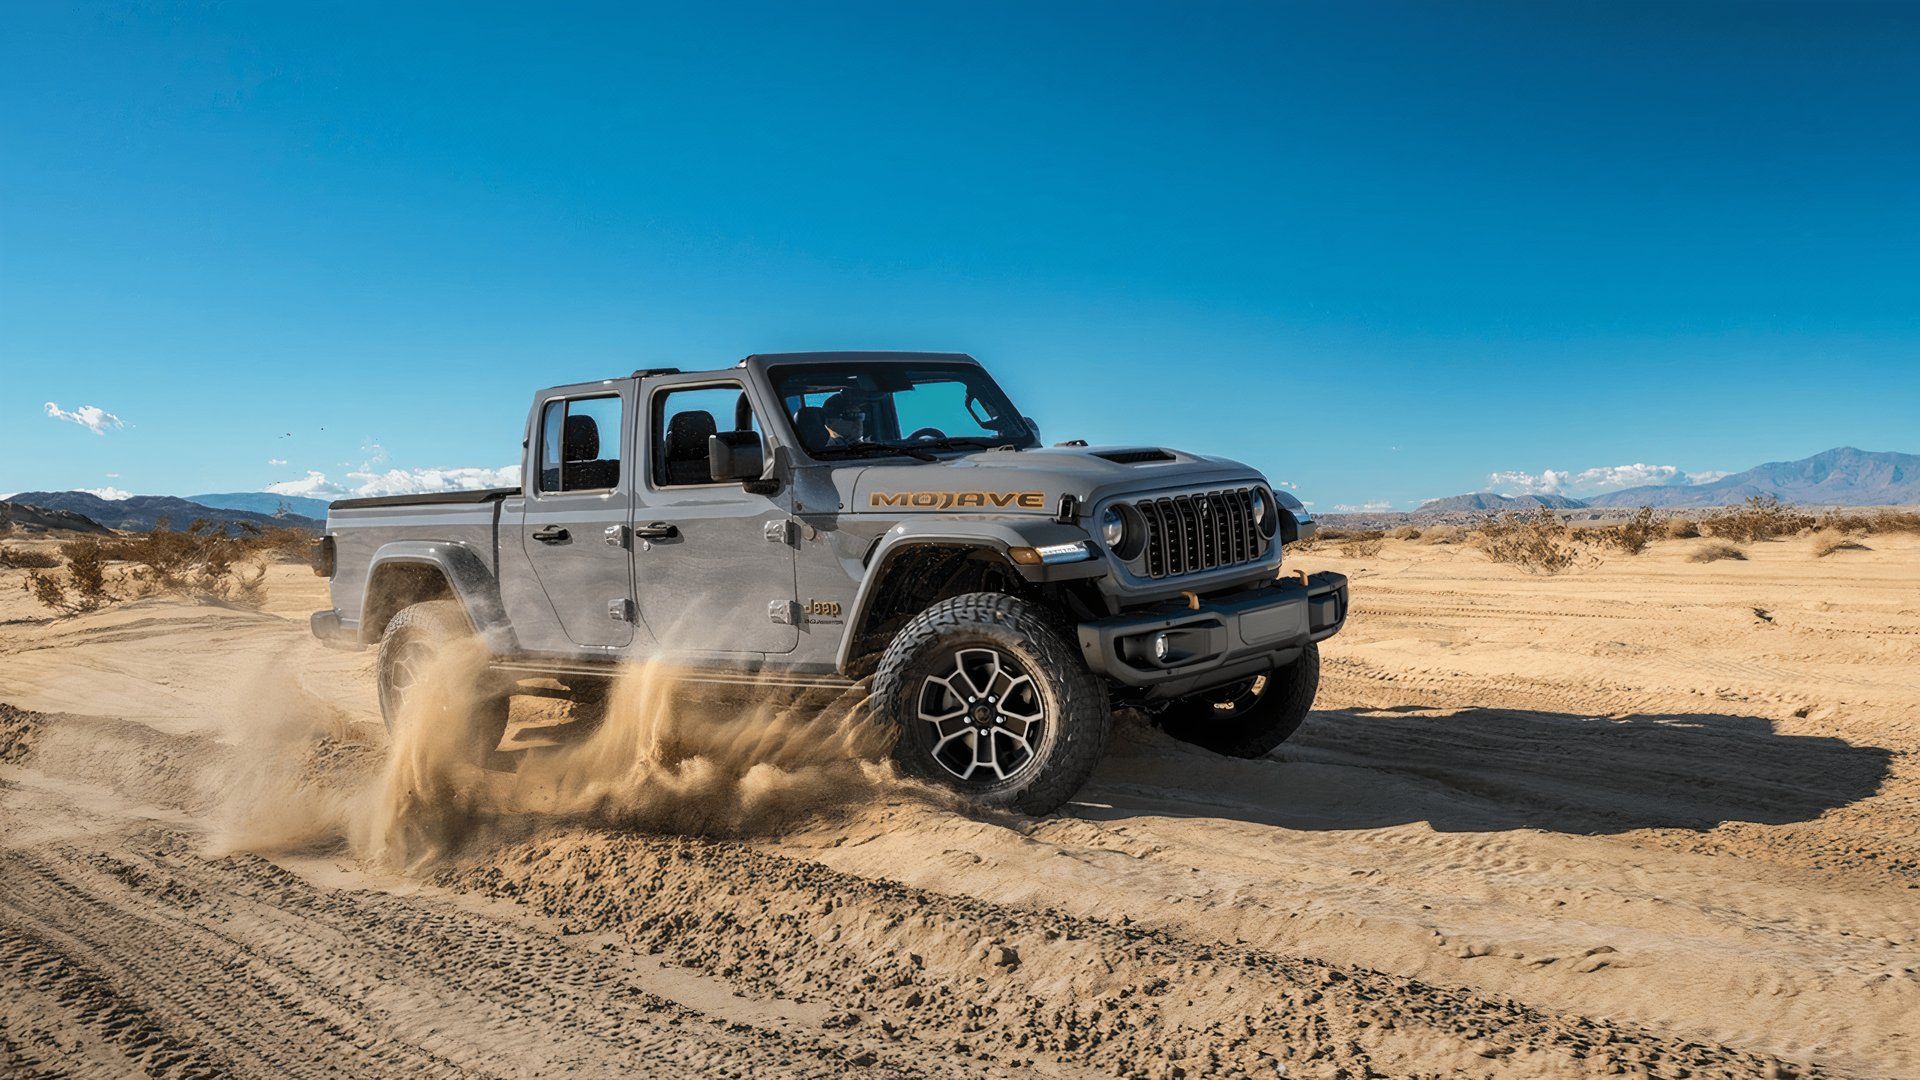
(991, 701)
(1248, 718)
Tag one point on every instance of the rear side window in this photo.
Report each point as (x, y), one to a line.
(683, 421)
(580, 444)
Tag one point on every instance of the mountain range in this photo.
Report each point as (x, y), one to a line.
(139, 513)
(265, 502)
(1843, 476)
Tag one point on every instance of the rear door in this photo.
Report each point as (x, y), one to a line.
(579, 505)
(713, 562)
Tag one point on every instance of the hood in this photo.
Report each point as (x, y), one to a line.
(1027, 481)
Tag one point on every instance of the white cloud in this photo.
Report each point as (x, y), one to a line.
(92, 417)
(276, 461)
(1707, 476)
(109, 493)
(1592, 481)
(364, 482)
(113, 476)
(1376, 506)
(1547, 482)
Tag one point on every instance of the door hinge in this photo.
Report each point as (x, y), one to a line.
(785, 531)
(620, 610)
(616, 536)
(784, 612)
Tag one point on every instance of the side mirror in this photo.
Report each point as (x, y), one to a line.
(735, 455)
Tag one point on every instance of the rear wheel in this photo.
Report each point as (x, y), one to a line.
(991, 701)
(428, 648)
(1251, 717)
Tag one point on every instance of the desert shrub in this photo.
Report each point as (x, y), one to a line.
(1762, 517)
(1631, 536)
(1681, 528)
(1828, 540)
(1538, 542)
(1362, 547)
(20, 558)
(1405, 532)
(203, 563)
(1716, 550)
(1441, 534)
(1862, 523)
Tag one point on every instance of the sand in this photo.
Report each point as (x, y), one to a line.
(1652, 815)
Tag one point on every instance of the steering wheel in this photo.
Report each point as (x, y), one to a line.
(927, 433)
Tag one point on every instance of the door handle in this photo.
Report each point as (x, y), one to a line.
(552, 534)
(659, 530)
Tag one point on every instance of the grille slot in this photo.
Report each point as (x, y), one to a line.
(1207, 530)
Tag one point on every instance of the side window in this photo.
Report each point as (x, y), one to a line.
(682, 422)
(580, 444)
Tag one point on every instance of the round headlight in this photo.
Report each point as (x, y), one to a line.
(1265, 513)
(1123, 531)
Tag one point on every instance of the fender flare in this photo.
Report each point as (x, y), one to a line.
(466, 574)
(997, 535)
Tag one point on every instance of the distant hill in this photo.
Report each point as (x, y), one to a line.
(1842, 476)
(142, 512)
(264, 502)
(1487, 500)
(19, 516)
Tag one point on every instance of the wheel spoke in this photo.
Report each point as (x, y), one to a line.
(984, 714)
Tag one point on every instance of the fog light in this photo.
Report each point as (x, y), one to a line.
(1162, 647)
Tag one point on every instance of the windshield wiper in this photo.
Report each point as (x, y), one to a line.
(868, 448)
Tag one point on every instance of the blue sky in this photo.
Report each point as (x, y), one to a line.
(1383, 252)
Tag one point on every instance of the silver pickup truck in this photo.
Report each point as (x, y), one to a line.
(823, 518)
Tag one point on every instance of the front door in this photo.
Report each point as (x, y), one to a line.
(713, 563)
(578, 510)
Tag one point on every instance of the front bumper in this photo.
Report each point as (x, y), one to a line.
(1220, 641)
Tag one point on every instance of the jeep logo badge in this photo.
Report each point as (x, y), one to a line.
(959, 500)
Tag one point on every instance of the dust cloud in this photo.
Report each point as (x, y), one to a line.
(668, 756)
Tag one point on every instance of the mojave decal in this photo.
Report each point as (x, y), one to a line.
(959, 500)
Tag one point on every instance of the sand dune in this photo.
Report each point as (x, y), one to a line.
(1650, 815)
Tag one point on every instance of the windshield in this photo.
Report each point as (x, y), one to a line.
(842, 410)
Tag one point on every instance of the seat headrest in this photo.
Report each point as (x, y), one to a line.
(810, 423)
(582, 439)
(687, 434)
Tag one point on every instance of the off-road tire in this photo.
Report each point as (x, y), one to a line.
(1076, 717)
(1267, 717)
(416, 635)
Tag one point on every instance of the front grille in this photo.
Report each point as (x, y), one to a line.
(1207, 530)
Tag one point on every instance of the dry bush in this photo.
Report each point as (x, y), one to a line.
(1442, 534)
(1829, 540)
(203, 563)
(19, 558)
(1681, 528)
(1631, 536)
(1715, 551)
(1763, 517)
(1859, 523)
(1362, 547)
(1538, 542)
(1405, 532)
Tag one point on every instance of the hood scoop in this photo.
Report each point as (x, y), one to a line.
(1140, 456)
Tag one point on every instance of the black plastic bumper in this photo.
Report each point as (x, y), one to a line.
(1223, 640)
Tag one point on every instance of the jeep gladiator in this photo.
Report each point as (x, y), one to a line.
(811, 519)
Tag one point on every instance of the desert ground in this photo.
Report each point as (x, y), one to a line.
(1650, 816)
